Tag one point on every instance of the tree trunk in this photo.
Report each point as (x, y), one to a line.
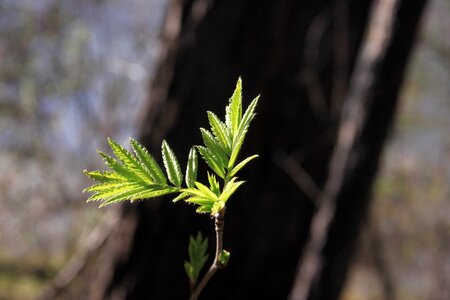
(299, 55)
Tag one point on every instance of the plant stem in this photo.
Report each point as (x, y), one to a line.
(219, 224)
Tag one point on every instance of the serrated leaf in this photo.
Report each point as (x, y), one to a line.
(129, 161)
(198, 256)
(204, 209)
(213, 184)
(111, 185)
(139, 193)
(102, 195)
(233, 112)
(230, 188)
(206, 191)
(118, 168)
(212, 161)
(215, 148)
(181, 196)
(217, 207)
(120, 191)
(171, 164)
(102, 176)
(194, 192)
(192, 167)
(124, 195)
(238, 139)
(149, 162)
(152, 193)
(220, 131)
(113, 192)
(129, 178)
(200, 201)
(241, 165)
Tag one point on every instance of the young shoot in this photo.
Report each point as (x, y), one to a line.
(136, 175)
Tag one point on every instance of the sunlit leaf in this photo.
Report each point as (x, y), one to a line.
(217, 207)
(241, 165)
(212, 161)
(221, 132)
(230, 188)
(132, 163)
(102, 176)
(192, 167)
(171, 164)
(206, 191)
(213, 184)
(238, 139)
(233, 112)
(213, 146)
(150, 163)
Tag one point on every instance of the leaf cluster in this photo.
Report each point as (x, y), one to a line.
(133, 177)
(197, 257)
(137, 175)
(222, 144)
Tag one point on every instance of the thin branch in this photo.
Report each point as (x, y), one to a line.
(298, 174)
(310, 72)
(219, 224)
(340, 54)
(79, 261)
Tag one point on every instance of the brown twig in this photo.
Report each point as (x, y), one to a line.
(217, 264)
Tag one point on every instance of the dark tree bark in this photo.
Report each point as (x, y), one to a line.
(299, 55)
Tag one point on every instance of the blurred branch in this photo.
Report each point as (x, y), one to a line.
(310, 72)
(81, 258)
(380, 262)
(340, 57)
(298, 174)
(353, 117)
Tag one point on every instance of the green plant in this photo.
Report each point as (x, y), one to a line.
(138, 176)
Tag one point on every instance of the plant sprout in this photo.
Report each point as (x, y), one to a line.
(137, 176)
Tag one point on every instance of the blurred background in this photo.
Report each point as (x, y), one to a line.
(75, 72)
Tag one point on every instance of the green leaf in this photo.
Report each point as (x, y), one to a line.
(217, 207)
(110, 185)
(238, 139)
(224, 257)
(206, 191)
(150, 163)
(181, 196)
(126, 194)
(230, 188)
(221, 132)
(105, 192)
(214, 184)
(130, 177)
(192, 167)
(233, 112)
(118, 168)
(102, 176)
(212, 161)
(152, 193)
(171, 164)
(200, 201)
(194, 192)
(112, 192)
(204, 209)
(241, 165)
(130, 162)
(198, 256)
(215, 148)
